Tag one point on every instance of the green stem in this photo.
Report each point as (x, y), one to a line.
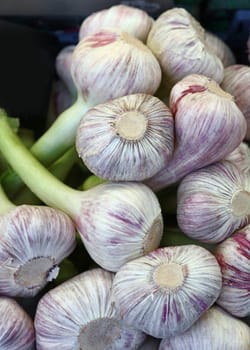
(5, 203)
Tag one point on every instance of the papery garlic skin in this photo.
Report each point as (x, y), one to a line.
(216, 329)
(178, 41)
(208, 126)
(236, 81)
(166, 291)
(120, 222)
(129, 19)
(240, 156)
(34, 240)
(233, 255)
(80, 314)
(101, 58)
(16, 326)
(126, 139)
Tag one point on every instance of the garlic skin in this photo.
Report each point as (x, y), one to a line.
(220, 49)
(34, 240)
(126, 139)
(216, 329)
(240, 156)
(111, 63)
(120, 222)
(213, 202)
(178, 41)
(80, 314)
(237, 82)
(218, 127)
(16, 326)
(166, 291)
(127, 18)
(233, 256)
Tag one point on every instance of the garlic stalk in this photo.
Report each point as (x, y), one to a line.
(216, 329)
(130, 19)
(208, 126)
(80, 314)
(213, 202)
(165, 292)
(16, 326)
(126, 139)
(34, 240)
(233, 255)
(116, 221)
(237, 82)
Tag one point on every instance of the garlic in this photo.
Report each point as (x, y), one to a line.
(237, 82)
(233, 255)
(216, 330)
(16, 326)
(213, 202)
(130, 19)
(208, 126)
(166, 291)
(80, 314)
(129, 138)
(178, 41)
(240, 156)
(220, 49)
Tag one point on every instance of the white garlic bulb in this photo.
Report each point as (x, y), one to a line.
(34, 240)
(126, 139)
(178, 41)
(166, 291)
(80, 314)
(215, 330)
(16, 326)
(130, 19)
(233, 255)
(213, 202)
(240, 156)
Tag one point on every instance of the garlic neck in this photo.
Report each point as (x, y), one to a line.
(240, 203)
(216, 89)
(5, 204)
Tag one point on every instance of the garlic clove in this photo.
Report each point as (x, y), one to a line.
(130, 19)
(16, 326)
(80, 314)
(213, 202)
(216, 329)
(126, 139)
(218, 127)
(34, 240)
(237, 82)
(233, 255)
(166, 291)
(240, 156)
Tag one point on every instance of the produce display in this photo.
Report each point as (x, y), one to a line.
(126, 224)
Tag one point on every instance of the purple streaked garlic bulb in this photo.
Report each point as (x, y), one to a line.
(237, 82)
(165, 292)
(34, 240)
(240, 156)
(80, 314)
(130, 19)
(16, 326)
(213, 202)
(127, 139)
(216, 330)
(178, 41)
(233, 255)
(220, 49)
(208, 126)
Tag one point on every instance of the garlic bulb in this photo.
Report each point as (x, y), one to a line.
(216, 330)
(240, 156)
(178, 41)
(233, 255)
(213, 202)
(80, 314)
(34, 240)
(208, 126)
(220, 49)
(166, 291)
(16, 326)
(237, 82)
(129, 19)
(129, 138)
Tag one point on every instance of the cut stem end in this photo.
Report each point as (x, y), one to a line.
(131, 125)
(169, 275)
(241, 203)
(154, 236)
